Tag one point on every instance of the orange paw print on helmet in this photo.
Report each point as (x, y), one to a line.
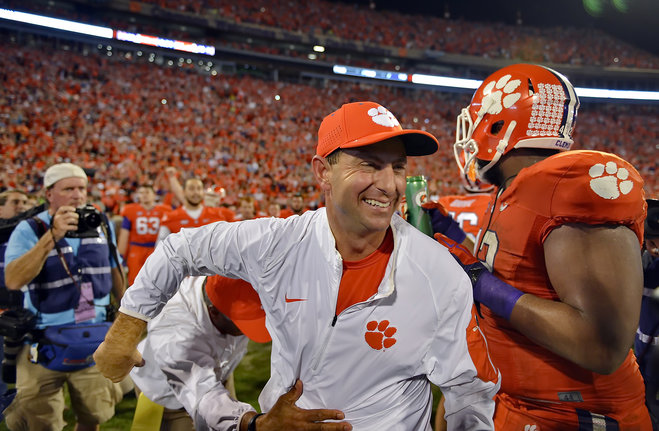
(379, 335)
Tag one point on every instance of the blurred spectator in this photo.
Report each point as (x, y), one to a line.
(246, 208)
(274, 209)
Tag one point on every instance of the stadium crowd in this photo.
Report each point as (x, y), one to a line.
(127, 120)
(359, 23)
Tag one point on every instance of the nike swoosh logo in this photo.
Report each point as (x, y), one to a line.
(293, 299)
(503, 206)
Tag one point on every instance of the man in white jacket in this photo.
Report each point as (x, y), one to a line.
(362, 307)
(194, 345)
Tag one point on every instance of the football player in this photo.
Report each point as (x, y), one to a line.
(563, 239)
(139, 229)
(193, 212)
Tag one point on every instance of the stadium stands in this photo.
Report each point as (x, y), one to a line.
(127, 119)
(359, 29)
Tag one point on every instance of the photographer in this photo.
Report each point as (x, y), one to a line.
(12, 203)
(67, 257)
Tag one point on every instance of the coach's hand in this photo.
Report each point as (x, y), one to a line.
(497, 295)
(285, 415)
(118, 354)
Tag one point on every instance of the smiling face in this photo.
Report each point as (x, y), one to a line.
(364, 187)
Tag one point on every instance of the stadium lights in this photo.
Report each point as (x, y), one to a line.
(178, 45)
(319, 48)
(445, 81)
(472, 84)
(105, 32)
(56, 23)
(603, 93)
(370, 73)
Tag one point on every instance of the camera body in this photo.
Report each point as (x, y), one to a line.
(89, 219)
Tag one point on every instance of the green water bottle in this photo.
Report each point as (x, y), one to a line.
(416, 194)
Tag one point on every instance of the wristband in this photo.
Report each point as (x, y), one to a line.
(251, 425)
(497, 295)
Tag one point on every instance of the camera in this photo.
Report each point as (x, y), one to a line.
(89, 219)
(16, 326)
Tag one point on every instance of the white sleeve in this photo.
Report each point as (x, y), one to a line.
(229, 249)
(459, 363)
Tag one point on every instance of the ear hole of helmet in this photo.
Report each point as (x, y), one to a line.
(531, 89)
(496, 127)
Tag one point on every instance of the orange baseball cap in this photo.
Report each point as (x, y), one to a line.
(364, 123)
(237, 300)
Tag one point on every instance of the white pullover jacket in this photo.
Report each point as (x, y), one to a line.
(376, 359)
(187, 359)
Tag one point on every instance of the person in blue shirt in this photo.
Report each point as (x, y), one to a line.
(69, 281)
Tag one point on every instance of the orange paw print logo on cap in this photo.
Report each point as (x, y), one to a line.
(379, 335)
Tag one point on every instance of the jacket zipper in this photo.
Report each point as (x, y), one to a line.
(321, 354)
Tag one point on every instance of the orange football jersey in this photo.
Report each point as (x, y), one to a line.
(143, 224)
(572, 187)
(179, 218)
(467, 210)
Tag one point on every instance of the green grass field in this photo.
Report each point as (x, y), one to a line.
(250, 376)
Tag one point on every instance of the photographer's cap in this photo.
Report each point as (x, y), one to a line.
(364, 123)
(60, 171)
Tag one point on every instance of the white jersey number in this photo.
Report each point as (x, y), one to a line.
(147, 225)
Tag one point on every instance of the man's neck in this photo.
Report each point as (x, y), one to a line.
(190, 207)
(511, 164)
(356, 246)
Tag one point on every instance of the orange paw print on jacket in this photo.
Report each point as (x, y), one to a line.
(379, 335)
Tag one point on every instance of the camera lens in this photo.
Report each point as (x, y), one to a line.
(93, 219)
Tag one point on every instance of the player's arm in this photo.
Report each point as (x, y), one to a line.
(122, 241)
(174, 184)
(596, 271)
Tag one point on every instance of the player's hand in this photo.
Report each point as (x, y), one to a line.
(117, 355)
(497, 295)
(285, 415)
(64, 220)
(442, 222)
